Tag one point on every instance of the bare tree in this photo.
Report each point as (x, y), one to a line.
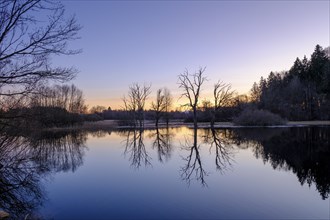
(62, 96)
(31, 31)
(135, 103)
(162, 105)
(158, 106)
(168, 98)
(191, 86)
(97, 109)
(223, 96)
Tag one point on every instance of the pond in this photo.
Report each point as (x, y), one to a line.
(168, 173)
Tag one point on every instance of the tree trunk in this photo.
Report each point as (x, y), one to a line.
(212, 119)
(195, 117)
(157, 120)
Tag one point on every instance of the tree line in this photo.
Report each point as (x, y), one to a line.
(302, 93)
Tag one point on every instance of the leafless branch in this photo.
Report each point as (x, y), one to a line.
(134, 104)
(31, 31)
(191, 86)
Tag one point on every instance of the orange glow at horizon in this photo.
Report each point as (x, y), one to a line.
(117, 103)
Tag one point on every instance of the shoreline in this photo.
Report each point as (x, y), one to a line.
(112, 124)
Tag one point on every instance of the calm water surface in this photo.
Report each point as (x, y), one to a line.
(175, 173)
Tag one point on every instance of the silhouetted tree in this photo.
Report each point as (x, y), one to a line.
(255, 93)
(168, 99)
(67, 97)
(206, 109)
(97, 109)
(162, 105)
(27, 42)
(191, 85)
(158, 106)
(135, 103)
(302, 93)
(223, 96)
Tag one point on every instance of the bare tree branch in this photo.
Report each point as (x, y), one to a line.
(223, 96)
(162, 104)
(191, 86)
(31, 31)
(135, 102)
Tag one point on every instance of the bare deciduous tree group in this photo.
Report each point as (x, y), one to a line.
(134, 104)
(62, 96)
(31, 32)
(191, 85)
(162, 105)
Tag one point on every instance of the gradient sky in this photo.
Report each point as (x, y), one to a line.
(153, 41)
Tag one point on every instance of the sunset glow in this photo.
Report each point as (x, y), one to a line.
(153, 42)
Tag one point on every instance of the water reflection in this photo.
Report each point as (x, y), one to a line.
(193, 168)
(162, 143)
(19, 178)
(135, 148)
(304, 151)
(26, 161)
(219, 145)
(224, 150)
(60, 151)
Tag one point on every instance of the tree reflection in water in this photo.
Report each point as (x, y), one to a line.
(162, 142)
(25, 161)
(59, 151)
(224, 150)
(19, 177)
(305, 151)
(135, 148)
(193, 169)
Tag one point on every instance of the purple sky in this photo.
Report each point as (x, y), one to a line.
(154, 41)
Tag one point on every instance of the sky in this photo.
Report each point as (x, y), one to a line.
(125, 42)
